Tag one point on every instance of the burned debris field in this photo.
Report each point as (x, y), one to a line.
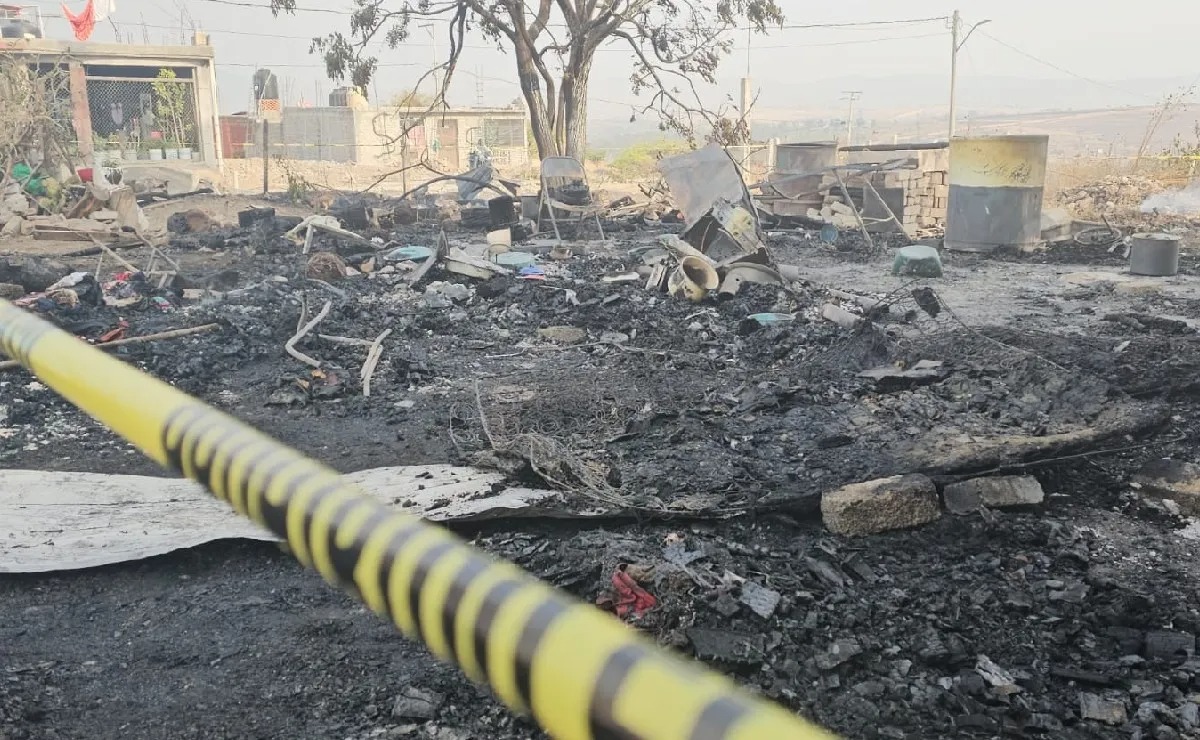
(901, 506)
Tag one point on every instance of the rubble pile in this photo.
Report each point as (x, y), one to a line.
(1045, 629)
(1116, 196)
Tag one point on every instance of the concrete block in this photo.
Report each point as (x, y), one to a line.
(1172, 479)
(1110, 712)
(934, 160)
(881, 505)
(941, 203)
(1000, 492)
(175, 179)
(941, 191)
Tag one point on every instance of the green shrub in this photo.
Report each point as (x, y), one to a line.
(639, 161)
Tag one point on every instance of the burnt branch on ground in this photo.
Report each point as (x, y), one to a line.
(547, 457)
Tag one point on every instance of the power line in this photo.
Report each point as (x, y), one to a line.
(260, 6)
(308, 66)
(842, 43)
(1065, 71)
(854, 24)
(482, 47)
(786, 26)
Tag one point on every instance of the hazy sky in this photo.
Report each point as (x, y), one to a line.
(1109, 42)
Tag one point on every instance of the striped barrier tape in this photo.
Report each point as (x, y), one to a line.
(577, 671)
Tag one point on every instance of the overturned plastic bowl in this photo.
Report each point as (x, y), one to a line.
(414, 253)
(767, 319)
(515, 259)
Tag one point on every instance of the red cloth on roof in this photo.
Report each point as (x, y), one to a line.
(84, 23)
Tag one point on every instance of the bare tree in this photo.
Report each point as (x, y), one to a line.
(411, 99)
(35, 114)
(673, 43)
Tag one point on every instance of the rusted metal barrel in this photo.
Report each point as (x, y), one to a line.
(799, 158)
(996, 185)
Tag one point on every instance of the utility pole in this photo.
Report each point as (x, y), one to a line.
(437, 87)
(852, 95)
(955, 21)
(955, 47)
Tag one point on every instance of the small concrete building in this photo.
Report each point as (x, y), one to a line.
(134, 103)
(376, 136)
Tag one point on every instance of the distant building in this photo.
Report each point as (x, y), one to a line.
(132, 102)
(347, 133)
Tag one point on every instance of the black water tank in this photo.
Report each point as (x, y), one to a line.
(16, 29)
(266, 85)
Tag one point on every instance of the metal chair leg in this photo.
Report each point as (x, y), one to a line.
(554, 220)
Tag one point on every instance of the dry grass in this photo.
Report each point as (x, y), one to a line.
(1065, 174)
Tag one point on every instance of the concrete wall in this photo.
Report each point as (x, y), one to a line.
(322, 134)
(373, 136)
(928, 160)
(378, 133)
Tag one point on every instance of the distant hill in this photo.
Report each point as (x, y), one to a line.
(1079, 116)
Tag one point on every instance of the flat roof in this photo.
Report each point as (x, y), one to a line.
(416, 111)
(425, 110)
(111, 53)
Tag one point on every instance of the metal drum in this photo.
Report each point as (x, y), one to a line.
(996, 185)
(800, 158)
(1154, 254)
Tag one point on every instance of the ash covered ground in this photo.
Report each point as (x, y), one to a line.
(713, 438)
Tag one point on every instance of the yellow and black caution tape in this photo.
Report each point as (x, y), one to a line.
(578, 672)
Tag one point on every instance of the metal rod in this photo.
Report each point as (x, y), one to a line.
(266, 159)
(857, 216)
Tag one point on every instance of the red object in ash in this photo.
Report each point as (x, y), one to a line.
(630, 597)
(114, 334)
(84, 23)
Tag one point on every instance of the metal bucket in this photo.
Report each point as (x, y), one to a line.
(1154, 254)
(995, 192)
(529, 207)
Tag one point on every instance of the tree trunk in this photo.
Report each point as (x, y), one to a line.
(539, 120)
(573, 97)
